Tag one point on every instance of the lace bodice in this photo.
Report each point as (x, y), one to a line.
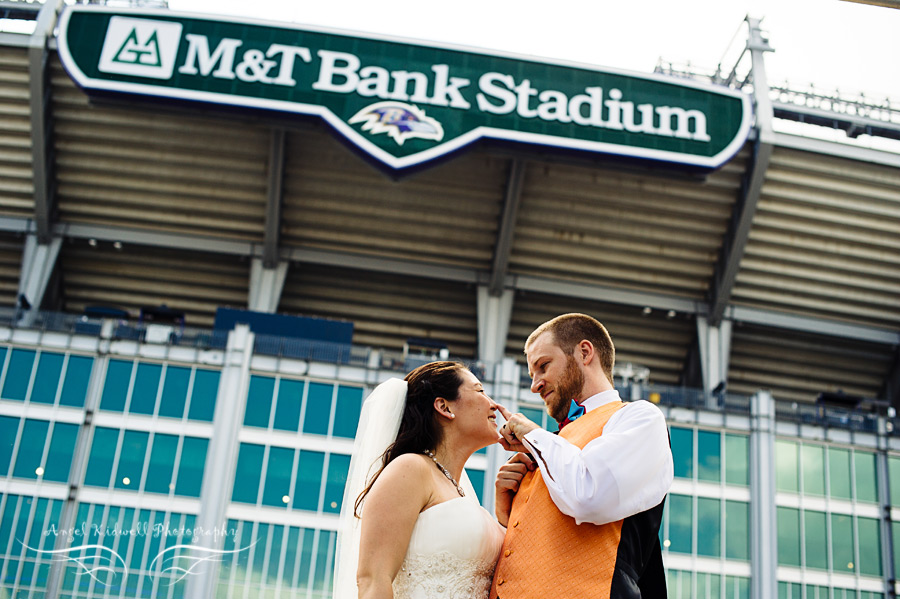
(452, 553)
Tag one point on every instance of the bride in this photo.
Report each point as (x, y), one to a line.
(416, 529)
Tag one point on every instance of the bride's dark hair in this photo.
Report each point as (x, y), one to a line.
(419, 429)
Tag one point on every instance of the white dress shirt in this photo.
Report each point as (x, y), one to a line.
(625, 471)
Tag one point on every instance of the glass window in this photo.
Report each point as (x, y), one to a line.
(788, 536)
(146, 387)
(346, 416)
(287, 409)
(709, 456)
(709, 585)
(839, 472)
(476, 477)
(131, 460)
(31, 449)
(162, 463)
(62, 446)
(309, 478)
(683, 451)
(100, 461)
(681, 520)
(786, 472)
(866, 487)
(18, 374)
(789, 590)
(737, 530)
(842, 548)
(737, 460)
(174, 393)
(814, 527)
(9, 427)
(190, 469)
(246, 478)
(869, 546)
(277, 489)
(318, 408)
(895, 531)
(737, 587)
(203, 395)
(894, 476)
(259, 401)
(46, 381)
(813, 457)
(338, 466)
(75, 383)
(324, 563)
(709, 516)
(115, 388)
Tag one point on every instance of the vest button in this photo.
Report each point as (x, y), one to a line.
(516, 525)
(506, 553)
(500, 582)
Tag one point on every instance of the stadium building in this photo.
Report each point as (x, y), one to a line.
(217, 237)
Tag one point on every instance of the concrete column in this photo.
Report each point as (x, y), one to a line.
(221, 458)
(884, 500)
(494, 313)
(38, 262)
(715, 350)
(266, 285)
(763, 522)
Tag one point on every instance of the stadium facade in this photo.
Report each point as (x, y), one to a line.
(200, 288)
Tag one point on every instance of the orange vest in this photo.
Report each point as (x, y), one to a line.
(545, 554)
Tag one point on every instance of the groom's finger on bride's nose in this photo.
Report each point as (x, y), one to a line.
(504, 412)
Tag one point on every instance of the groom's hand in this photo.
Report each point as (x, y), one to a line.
(508, 479)
(515, 429)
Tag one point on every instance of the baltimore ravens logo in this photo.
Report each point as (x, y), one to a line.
(400, 121)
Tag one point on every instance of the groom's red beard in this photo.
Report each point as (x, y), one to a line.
(567, 388)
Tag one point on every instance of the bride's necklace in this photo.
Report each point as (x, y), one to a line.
(445, 471)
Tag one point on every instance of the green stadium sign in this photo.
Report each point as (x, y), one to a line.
(403, 103)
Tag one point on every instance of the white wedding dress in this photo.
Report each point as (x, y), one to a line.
(452, 553)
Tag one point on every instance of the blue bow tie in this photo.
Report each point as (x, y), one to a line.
(575, 412)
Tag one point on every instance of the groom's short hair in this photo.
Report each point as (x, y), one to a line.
(569, 330)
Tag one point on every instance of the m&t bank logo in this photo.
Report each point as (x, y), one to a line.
(140, 47)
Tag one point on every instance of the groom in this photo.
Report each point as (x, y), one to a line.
(582, 509)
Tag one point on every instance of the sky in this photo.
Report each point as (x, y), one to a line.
(831, 44)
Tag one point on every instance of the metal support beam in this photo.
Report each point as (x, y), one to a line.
(763, 544)
(745, 208)
(891, 390)
(38, 261)
(42, 170)
(273, 201)
(715, 349)
(266, 285)
(494, 315)
(807, 324)
(507, 226)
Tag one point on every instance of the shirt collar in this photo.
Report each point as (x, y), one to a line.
(602, 398)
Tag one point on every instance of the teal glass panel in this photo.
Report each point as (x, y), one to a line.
(894, 476)
(534, 414)
(895, 532)
(338, 467)
(277, 490)
(683, 451)
(788, 536)
(737, 530)
(737, 587)
(75, 383)
(9, 427)
(709, 456)
(259, 401)
(247, 474)
(62, 447)
(287, 408)
(162, 463)
(272, 573)
(815, 591)
(203, 395)
(839, 473)
(816, 543)
(46, 380)
(309, 477)
(190, 468)
(324, 563)
(18, 374)
(115, 388)
(737, 459)
(346, 415)
(709, 528)
(31, 448)
(174, 393)
(318, 408)
(681, 523)
(869, 546)
(842, 546)
(789, 590)
(146, 388)
(290, 557)
(866, 477)
(709, 586)
(787, 473)
(813, 458)
(476, 477)
(131, 460)
(100, 460)
(259, 554)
